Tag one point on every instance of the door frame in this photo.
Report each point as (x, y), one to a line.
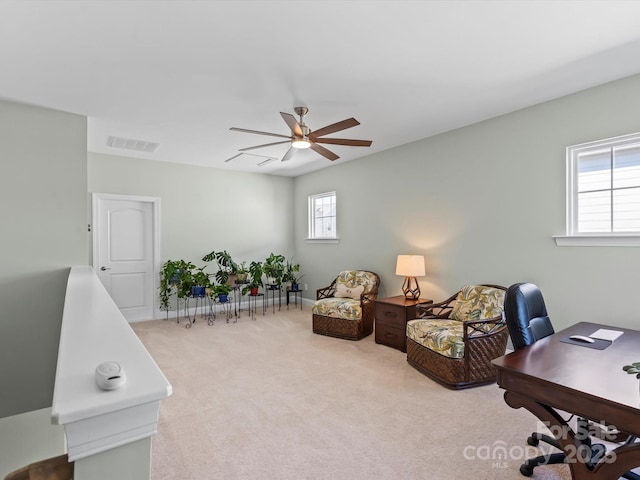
(155, 212)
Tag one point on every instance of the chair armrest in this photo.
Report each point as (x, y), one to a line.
(368, 297)
(483, 327)
(481, 347)
(436, 310)
(326, 292)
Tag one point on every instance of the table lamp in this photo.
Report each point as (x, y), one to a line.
(410, 266)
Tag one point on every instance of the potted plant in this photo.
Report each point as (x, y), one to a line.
(221, 291)
(226, 266)
(255, 278)
(173, 275)
(241, 272)
(199, 282)
(633, 369)
(292, 275)
(273, 268)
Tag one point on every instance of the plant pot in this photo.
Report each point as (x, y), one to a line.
(254, 291)
(295, 287)
(197, 291)
(241, 277)
(223, 298)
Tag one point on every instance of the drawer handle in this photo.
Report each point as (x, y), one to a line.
(390, 314)
(390, 335)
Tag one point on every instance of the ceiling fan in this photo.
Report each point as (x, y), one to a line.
(303, 137)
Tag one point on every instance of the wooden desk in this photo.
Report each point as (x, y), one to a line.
(551, 374)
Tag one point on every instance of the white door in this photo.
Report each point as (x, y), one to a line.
(125, 239)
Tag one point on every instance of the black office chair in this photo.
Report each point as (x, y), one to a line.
(528, 321)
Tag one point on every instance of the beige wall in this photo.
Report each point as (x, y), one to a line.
(43, 178)
(482, 203)
(204, 209)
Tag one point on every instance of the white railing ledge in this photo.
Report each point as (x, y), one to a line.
(94, 331)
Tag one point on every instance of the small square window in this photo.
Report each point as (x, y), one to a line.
(322, 216)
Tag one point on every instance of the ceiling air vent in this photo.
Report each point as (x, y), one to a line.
(130, 144)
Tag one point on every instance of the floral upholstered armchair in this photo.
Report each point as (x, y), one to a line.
(346, 308)
(454, 341)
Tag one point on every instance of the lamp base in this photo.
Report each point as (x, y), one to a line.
(411, 288)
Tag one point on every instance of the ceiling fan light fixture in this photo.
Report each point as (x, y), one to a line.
(301, 143)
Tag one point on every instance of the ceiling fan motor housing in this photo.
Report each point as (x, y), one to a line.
(301, 111)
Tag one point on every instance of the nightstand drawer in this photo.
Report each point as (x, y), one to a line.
(391, 335)
(391, 314)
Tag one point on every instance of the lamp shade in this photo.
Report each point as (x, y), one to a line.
(410, 265)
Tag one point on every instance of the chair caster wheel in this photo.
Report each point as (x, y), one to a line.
(526, 470)
(533, 441)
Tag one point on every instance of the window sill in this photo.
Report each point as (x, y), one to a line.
(322, 240)
(597, 240)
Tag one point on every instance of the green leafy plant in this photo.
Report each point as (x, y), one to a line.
(241, 272)
(632, 369)
(291, 272)
(221, 289)
(199, 278)
(255, 277)
(255, 274)
(226, 264)
(273, 268)
(173, 277)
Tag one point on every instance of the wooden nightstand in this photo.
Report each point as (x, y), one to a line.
(392, 315)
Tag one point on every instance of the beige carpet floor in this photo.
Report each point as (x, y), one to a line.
(268, 399)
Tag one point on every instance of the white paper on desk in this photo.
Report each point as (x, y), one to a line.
(604, 334)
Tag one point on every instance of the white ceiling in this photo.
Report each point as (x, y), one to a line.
(181, 73)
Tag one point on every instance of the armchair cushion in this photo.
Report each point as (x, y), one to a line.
(343, 291)
(445, 337)
(346, 308)
(478, 301)
(354, 278)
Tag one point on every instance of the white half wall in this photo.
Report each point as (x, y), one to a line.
(43, 210)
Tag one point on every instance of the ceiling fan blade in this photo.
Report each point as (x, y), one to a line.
(344, 141)
(235, 156)
(293, 124)
(263, 145)
(323, 151)
(289, 155)
(336, 127)
(235, 129)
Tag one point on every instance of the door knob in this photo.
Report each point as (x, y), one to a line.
(104, 268)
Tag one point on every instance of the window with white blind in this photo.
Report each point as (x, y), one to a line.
(603, 188)
(322, 216)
